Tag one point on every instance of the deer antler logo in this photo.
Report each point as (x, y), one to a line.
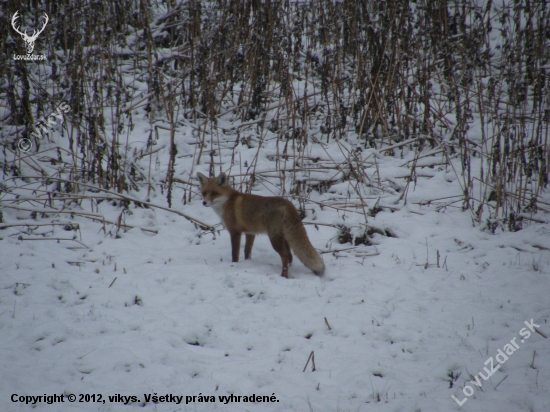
(29, 40)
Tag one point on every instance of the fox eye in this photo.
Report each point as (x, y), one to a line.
(203, 194)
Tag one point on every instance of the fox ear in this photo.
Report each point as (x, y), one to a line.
(222, 179)
(202, 178)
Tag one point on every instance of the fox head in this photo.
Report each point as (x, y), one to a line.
(213, 190)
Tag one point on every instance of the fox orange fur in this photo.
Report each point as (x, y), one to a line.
(252, 214)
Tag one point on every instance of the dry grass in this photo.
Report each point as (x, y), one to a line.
(393, 76)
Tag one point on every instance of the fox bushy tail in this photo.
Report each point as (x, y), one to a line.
(296, 236)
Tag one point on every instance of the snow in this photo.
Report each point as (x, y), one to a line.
(168, 313)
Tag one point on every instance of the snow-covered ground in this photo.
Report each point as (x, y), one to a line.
(143, 314)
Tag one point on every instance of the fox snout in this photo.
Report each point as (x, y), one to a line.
(216, 203)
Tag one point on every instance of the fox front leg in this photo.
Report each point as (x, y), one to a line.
(235, 245)
(248, 246)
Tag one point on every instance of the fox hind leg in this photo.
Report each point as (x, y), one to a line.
(279, 244)
(288, 252)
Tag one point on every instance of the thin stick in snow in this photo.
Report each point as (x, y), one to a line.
(312, 357)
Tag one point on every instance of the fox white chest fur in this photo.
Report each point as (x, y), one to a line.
(217, 205)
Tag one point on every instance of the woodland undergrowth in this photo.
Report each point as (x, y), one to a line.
(459, 85)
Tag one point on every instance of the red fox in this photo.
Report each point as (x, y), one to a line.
(251, 214)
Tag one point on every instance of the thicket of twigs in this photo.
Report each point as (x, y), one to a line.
(451, 80)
